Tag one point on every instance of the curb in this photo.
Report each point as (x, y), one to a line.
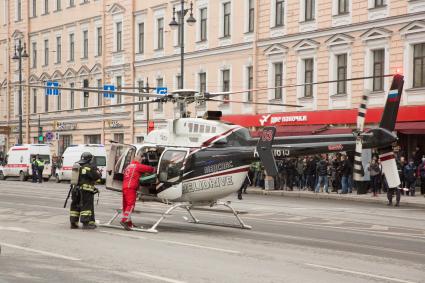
(295, 194)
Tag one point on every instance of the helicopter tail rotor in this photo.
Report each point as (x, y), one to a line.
(358, 171)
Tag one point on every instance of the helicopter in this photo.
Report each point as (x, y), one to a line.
(200, 161)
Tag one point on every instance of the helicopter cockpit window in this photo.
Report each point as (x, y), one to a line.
(170, 167)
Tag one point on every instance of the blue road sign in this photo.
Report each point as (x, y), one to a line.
(49, 136)
(161, 90)
(110, 88)
(52, 88)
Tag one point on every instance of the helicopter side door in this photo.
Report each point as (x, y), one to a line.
(170, 173)
(120, 157)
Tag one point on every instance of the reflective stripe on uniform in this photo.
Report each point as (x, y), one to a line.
(74, 213)
(85, 170)
(87, 187)
(85, 213)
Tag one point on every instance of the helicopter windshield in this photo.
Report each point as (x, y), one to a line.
(171, 164)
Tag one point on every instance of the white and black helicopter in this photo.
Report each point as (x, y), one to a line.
(200, 161)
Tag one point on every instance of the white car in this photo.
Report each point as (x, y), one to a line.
(73, 154)
(19, 158)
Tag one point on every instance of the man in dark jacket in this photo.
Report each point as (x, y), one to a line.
(290, 174)
(346, 170)
(82, 205)
(322, 172)
(34, 169)
(311, 173)
(410, 177)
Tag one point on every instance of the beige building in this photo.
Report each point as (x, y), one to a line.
(234, 45)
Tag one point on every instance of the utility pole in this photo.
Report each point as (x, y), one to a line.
(180, 25)
(20, 52)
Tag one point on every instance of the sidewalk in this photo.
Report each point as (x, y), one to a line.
(416, 201)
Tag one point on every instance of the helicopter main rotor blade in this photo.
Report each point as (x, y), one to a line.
(248, 102)
(96, 90)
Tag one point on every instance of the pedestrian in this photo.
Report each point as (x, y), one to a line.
(375, 177)
(421, 174)
(417, 155)
(322, 173)
(55, 161)
(390, 192)
(132, 174)
(34, 170)
(245, 184)
(346, 170)
(336, 173)
(401, 163)
(40, 168)
(290, 174)
(300, 173)
(311, 173)
(410, 177)
(82, 204)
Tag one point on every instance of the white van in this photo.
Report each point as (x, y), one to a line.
(73, 154)
(18, 161)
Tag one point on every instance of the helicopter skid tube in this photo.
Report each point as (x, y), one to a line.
(241, 225)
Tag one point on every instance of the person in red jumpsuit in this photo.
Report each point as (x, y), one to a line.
(129, 187)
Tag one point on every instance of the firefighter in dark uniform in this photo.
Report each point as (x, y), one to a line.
(82, 205)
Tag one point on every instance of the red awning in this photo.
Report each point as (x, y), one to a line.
(411, 128)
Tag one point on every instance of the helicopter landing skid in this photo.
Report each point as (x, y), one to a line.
(136, 228)
(241, 225)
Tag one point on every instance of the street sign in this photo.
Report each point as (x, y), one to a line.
(49, 136)
(110, 88)
(161, 90)
(52, 88)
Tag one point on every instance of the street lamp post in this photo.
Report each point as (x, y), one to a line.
(174, 25)
(20, 52)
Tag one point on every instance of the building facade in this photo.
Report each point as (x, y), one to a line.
(234, 45)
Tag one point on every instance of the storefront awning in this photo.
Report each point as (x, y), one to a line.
(411, 128)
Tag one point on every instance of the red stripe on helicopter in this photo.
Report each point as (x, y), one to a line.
(386, 157)
(238, 170)
(16, 166)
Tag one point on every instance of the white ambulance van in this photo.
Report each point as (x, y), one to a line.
(19, 158)
(73, 153)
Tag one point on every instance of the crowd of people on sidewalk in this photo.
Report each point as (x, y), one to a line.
(334, 173)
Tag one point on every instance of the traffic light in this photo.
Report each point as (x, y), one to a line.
(40, 135)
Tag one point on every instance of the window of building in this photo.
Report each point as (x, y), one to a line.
(86, 94)
(160, 83)
(85, 44)
(71, 3)
(379, 3)
(278, 80)
(160, 33)
(140, 87)
(250, 72)
(309, 10)
(119, 36)
(71, 47)
(99, 94)
(202, 86)
(341, 74)
(119, 87)
(419, 65)
(46, 103)
(18, 10)
(46, 6)
(92, 139)
(251, 15)
(280, 13)
(59, 101)
(226, 19)
(34, 100)
(378, 69)
(119, 138)
(46, 52)
(225, 77)
(58, 5)
(58, 49)
(203, 24)
(34, 54)
(71, 96)
(34, 8)
(141, 45)
(343, 6)
(99, 41)
(308, 77)
(64, 142)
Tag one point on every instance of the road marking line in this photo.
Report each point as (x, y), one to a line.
(40, 252)
(359, 273)
(15, 229)
(159, 278)
(174, 242)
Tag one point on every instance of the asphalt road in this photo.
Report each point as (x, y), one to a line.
(292, 240)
